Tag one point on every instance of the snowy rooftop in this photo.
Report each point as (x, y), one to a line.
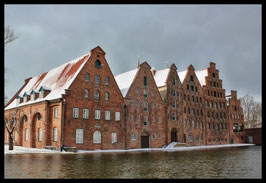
(125, 80)
(56, 80)
(161, 76)
(201, 76)
(182, 75)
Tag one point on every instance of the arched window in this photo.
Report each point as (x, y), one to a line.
(107, 80)
(145, 81)
(86, 93)
(97, 79)
(106, 95)
(97, 64)
(87, 77)
(97, 137)
(97, 95)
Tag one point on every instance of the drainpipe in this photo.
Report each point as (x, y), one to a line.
(125, 122)
(63, 122)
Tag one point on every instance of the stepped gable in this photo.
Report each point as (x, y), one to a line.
(56, 80)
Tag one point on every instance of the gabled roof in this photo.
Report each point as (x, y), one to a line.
(201, 76)
(160, 77)
(125, 80)
(56, 80)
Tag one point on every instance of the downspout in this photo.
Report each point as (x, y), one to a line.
(63, 122)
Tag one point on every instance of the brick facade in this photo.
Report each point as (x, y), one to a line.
(94, 112)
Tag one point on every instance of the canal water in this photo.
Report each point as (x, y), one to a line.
(234, 162)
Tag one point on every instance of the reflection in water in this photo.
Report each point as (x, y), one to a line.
(240, 162)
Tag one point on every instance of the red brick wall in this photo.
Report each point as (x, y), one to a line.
(256, 133)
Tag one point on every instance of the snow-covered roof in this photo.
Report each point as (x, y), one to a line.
(201, 76)
(161, 76)
(125, 80)
(182, 75)
(56, 80)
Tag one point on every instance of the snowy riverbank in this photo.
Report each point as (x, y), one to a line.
(24, 150)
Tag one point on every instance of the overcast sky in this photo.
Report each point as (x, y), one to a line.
(51, 35)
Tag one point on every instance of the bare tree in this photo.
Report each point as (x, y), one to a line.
(10, 126)
(9, 35)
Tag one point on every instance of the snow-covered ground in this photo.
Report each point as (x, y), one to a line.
(24, 150)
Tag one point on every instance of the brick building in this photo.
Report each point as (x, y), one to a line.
(81, 104)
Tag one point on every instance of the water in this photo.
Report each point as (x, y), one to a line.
(237, 162)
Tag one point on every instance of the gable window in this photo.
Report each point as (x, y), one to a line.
(39, 134)
(97, 137)
(85, 113)
(86, 95)
(213, 75)
(87, 77)
(56, 112)
(192, 88)
(97, 114)
(173, 81)
(75, 112)
(98, 64)
(107, 115)
(174, 93)
(114, 138)
(55, 135)
(145, 81)
(191, 78)
(97, 95)
(117, 116)
(106, 95)
(97, 79)
(107, 80)
(79, 135)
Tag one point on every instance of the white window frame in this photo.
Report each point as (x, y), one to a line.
(55, 134)
(106, 96)
(97, 114)
(56, 112)
(39, 134)
(117, 116)
(79, 136)
(86, 113)
(114, 138)
(97, 137)
(75, 113)
(107, 115)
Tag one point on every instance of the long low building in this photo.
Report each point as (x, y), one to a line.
(82, 104)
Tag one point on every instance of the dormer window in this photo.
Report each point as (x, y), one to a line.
(25, 99)
(41, 94)
(32, 97)
(18, 100)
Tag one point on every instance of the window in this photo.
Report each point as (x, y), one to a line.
(145, 123)
(39, 134)
(196, 88)
(97, 137)
(41, 94)
(173, 104)
(97, 95)
(145, 106)
(192, 99)
(187, 87)
(107, 80)
(97, 114)
(87, 77)
(39, 116)
(107, 115)
(106, 96)
(145, 93)
(117, 116)
(214, 93)
(197, 99)
(138, 90)
(86, 94)
(214, 84)
(188, 98)
(173, 81)
(55, 134)
(85, 113)
(79, 135)
(26, 134)
(152, 93)
(200, 100)
(174, 94)
(192, 88)
(97, 79)
(133, 136)
(32, 96)
(114, 137)
(184, 109)
(75, 112)
(98, 64)
(153, 136)
(191, 78)
(145, 81)
(18, 100)
(56, 112)
(25, 99)
(138, 103)
(173, 116)
(184, 97)
(213, 75)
